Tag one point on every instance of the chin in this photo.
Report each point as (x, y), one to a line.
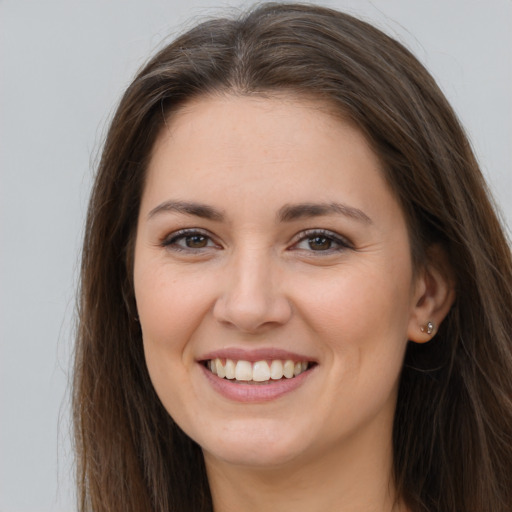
(258, 446)
(257, 457)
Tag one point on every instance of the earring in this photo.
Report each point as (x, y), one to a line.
(429, 328)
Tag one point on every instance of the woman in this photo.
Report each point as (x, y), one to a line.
(295, 290)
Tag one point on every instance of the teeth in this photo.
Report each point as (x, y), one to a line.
(276, 370)
(230, 369)
(221, 372)
(243, 370)
(288, 368)
(260, 371)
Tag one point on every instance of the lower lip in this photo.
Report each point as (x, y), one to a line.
(241, 392)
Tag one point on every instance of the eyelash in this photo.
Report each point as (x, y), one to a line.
(171, 242)
(341, 243)
(331, 237)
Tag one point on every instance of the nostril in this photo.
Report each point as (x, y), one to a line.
(251, 312)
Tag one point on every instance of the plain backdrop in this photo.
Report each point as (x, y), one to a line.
(64, 65)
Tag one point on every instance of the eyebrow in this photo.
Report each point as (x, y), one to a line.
(288, 213)
(188, 208)
(291, 212)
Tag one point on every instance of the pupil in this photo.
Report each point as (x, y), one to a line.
(196, 241)
(319, 243)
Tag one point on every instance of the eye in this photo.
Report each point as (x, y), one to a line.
(321, 241)
(188, 240)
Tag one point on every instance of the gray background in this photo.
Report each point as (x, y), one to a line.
(64, 65)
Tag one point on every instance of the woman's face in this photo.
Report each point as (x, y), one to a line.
(269, 243)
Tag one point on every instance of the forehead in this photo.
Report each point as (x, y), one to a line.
(271, 149)
(227, 127)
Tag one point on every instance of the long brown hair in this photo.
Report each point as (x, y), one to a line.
(453, 423)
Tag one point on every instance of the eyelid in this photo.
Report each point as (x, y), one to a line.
(169, 241)
(342, 241)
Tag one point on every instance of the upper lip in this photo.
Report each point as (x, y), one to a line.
(253, 355)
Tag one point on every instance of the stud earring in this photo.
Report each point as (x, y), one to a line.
(429, 328)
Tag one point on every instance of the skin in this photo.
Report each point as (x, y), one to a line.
(347, 299)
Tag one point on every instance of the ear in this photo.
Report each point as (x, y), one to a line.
(433, 296)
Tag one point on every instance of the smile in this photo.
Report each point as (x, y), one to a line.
(257, 375)
(258, 372)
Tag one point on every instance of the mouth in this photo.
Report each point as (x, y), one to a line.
(257, 372)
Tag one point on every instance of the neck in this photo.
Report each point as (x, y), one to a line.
(354, 478)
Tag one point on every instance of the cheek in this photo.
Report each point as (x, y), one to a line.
(358, 300)
(361, 314)
(170, 305)
(361, 325)
(171, 309)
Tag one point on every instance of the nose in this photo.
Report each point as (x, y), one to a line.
(252, 297)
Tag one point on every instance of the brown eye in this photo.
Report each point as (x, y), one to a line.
(189, 240)
(196, 241)
(320, 243)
